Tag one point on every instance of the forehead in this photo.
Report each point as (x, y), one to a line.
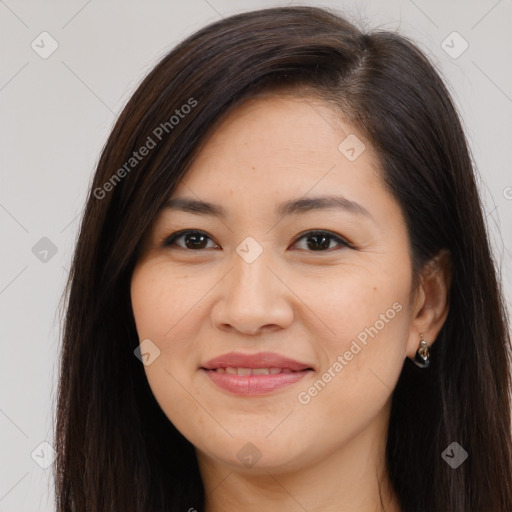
(278, 143)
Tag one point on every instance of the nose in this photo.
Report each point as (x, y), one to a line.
(253, 298)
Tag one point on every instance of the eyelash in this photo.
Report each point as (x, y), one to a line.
(170, 240)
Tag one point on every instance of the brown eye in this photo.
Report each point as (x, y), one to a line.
(320, 241)
(189, 239)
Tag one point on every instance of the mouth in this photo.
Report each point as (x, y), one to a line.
(254, 381)
(253, 371)
(261, 362)
(254, 374)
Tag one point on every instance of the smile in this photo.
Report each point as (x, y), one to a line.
(254, 381)
(252, 371)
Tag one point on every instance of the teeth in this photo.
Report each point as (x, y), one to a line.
(259, 371)
(252, 371)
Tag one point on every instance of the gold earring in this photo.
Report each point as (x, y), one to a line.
(422, 356)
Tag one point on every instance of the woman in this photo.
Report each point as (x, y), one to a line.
(282, 295)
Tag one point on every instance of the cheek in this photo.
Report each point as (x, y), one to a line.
(161, 299)
(168, 309)
(361, 361)
(366, 326)
(161, 304)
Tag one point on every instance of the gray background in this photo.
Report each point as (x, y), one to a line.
(56, 114)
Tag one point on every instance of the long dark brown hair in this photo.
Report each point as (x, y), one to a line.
(116, 450)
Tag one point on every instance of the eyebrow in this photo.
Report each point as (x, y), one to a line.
(291, 207)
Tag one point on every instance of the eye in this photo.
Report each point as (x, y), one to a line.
(192, 239)
(320, 241)
(317, 240)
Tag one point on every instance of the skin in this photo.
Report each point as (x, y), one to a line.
(310, 305)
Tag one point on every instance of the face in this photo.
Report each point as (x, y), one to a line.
(326, 285)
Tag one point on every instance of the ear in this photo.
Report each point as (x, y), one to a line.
(431, 302)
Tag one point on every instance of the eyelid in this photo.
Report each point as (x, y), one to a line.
(340, 239)
(168, 240)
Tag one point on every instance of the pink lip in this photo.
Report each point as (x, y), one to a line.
(254, 384)
(259, 360)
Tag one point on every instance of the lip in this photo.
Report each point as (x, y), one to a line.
(251, 385)
(259, 360)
